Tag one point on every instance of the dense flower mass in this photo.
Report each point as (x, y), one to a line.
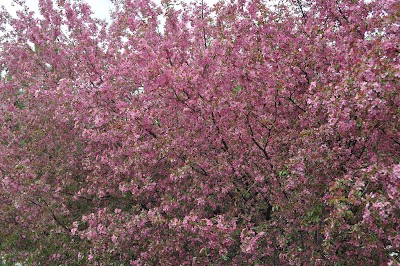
(246, 133)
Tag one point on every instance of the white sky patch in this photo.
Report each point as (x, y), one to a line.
(100, 8)
(33, 5)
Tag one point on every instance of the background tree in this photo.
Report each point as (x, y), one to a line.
(244, 133)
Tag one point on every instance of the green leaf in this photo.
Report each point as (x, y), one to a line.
(237, 89)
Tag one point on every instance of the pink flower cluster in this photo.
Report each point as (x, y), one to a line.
(243, 133)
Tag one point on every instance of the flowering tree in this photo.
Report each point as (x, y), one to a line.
(247, 133)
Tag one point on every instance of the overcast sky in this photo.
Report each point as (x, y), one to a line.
(100, 7)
